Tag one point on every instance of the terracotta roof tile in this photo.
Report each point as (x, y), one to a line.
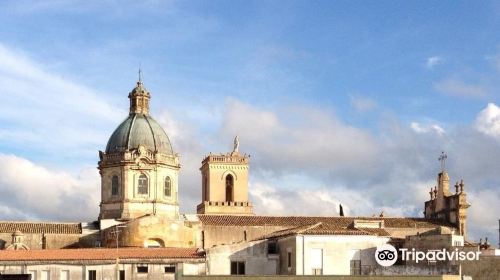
(41, 227)
(326, 229)
(99, 254)
(290, 221)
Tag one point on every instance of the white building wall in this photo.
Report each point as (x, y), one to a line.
(254, 254)
(337, 252)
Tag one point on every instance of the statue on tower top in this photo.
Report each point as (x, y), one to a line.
(236, 145)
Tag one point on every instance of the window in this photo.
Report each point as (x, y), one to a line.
(92, 275)
(170, 269)
(205, 189)
(272, 247)
(122, 274)
(142, 269)
(237, 268)
(289, 259)
(45, 275)
(168, 187)
(229, 188)
(114, 185)
(316, 260)
(64, 275)
(142, 185)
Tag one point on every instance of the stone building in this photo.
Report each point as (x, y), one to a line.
(103, 263)
(140, 209)
(446, 206)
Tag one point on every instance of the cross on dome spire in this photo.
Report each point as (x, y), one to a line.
(442, 158)
(139, 98)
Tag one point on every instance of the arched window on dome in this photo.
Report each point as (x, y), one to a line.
(114, 185)
(229, 188)
(142, 186)
(167, 190)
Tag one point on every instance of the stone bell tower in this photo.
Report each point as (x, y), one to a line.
(139, 170)
(445, 205)
(225, 184)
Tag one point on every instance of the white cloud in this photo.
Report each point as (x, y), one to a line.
(44, 112)
(419, 128)
(488, 121)
(363, 104)
(299, 139)
(433, 61)
(458, 88)
(31, 191)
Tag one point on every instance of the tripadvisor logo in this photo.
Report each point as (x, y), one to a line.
(387, 255)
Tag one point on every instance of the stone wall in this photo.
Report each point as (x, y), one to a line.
(487, 268)
(52, 241)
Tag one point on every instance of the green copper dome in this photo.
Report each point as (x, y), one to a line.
(139, 128)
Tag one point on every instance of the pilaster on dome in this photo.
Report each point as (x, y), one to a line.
(139, 98)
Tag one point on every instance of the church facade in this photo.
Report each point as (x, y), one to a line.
(139, 208)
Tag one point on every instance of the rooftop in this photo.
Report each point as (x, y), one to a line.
(100, 254)
(41, 227)
(295, 221)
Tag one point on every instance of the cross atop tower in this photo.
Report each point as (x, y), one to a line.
(442, 158)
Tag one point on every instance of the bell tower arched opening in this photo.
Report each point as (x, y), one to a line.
(229, 188)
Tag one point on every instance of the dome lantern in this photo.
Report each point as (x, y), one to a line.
(139, 98)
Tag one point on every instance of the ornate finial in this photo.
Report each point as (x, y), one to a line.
(140, 76)
(456, 187)
(236, 145)
(431, 193)
(462, 185)
(442, 158)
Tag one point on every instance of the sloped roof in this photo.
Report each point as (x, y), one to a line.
(291, 221)
(41, 227)
(99, 254)
(326, 229)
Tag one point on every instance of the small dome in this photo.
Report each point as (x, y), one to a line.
(139, 129)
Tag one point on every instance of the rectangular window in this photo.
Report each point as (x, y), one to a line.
(142, 186)
(92, 275)
(142, 269)
(237, 268)
(122, 274)
(272, 247)
(170, 269)
(45, 275)
(289, 259)
(64, 275)
(316, 260)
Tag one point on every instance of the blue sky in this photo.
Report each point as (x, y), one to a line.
(346, 101)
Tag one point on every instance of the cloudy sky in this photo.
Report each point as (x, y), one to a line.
(337, 102)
